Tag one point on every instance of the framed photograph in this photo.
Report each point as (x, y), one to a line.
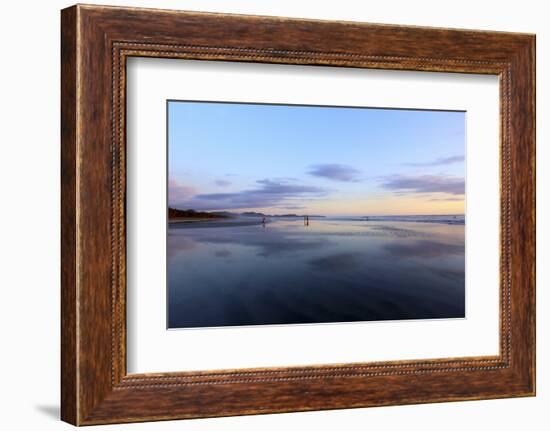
(264, 215)
(290, 241)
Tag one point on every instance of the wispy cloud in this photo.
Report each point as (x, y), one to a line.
(438, 162)
(268, 193)
(448, 199)
(222, 183)
(293, 207)
(424, 184)
(336, 172)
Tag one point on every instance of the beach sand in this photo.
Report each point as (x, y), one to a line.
(221, 222)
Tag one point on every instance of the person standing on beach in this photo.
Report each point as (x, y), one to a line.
(263, 221)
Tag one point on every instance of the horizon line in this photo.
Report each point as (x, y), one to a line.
(319, 214)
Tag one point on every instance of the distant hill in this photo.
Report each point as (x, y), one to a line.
(253, 214)
(174, 213)
(297, 215)
(224, 213)
(256, 214)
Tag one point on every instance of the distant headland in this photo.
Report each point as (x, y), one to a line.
(189, 214)
(175, 214)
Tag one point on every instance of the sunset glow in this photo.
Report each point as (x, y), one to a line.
(279, 159)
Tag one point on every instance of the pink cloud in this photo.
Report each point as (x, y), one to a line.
(178, 192)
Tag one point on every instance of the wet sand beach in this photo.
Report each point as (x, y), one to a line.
(333, 270)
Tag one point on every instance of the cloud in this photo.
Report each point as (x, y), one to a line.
(448, 199)
(335, 172)
(293, 207)
(424, 184)
(269, 193)
(222, 183)
(178, 192)
(439, 162)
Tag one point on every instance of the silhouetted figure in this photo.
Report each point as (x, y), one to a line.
(307, 220)
(263, 221)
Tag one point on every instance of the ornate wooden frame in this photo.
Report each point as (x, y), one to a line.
(95, 43)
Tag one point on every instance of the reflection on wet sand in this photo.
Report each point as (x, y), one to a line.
(285, 272)
(337, 262)
(424, 248)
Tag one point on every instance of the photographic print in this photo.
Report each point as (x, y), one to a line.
(296, 214)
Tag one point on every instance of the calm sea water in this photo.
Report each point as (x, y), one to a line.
(237, 272)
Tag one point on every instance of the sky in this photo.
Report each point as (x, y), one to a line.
(280, 159)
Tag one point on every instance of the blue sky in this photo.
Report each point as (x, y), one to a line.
(317, 160)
